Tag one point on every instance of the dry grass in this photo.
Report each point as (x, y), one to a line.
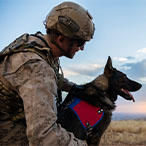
(125, 133)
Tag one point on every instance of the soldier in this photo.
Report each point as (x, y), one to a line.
(30, 79)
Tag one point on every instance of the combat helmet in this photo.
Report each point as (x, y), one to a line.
(71, 20)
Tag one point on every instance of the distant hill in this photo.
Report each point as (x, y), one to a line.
(125, 116)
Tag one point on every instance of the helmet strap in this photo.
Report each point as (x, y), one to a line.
(61, 49)
(69, 49)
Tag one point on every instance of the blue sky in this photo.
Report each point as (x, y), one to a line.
(120, 33)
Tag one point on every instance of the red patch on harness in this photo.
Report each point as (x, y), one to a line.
(87, 114)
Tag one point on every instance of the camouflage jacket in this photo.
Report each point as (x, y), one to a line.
(28, 92)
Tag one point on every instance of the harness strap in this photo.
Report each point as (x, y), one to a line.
(41, 38)
(89, 128)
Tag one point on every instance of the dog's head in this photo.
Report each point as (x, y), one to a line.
(119, 83)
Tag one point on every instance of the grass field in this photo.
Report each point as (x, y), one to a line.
(125, 133)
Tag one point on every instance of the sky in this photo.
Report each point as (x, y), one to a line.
(120, 32)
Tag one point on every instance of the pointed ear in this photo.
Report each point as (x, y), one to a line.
(108, 70)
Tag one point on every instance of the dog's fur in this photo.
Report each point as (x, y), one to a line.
(101, 92)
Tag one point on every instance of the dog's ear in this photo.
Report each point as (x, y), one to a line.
(108, 70)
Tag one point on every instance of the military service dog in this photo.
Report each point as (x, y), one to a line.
(87, 109)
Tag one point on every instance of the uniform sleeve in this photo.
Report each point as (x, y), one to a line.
(37, 87)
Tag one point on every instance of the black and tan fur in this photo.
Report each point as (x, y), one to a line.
(102, 92)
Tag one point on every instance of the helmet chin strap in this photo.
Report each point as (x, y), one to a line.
(66, 53)
(69, 49)
(61, 49)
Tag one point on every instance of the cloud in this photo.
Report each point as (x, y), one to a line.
(143, 51)
(140, 55)
(143, 79)
(83, 69)
(120, 59)
(137, 69)
(134, 66)
(69, 73)
(134, 69)
(130, 58)
(82, 73)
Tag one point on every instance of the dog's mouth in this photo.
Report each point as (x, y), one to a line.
(127, 95)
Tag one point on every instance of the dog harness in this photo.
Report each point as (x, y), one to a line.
(88, 115)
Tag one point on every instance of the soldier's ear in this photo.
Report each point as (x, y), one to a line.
(60, 38)
(108, 70)
(59, 41)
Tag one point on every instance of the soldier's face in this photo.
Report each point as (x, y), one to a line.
(73, 46)
(68, 47)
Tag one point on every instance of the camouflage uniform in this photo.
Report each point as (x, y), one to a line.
(28, 92)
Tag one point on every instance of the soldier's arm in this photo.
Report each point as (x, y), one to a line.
(65, 85)
(37, 87)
